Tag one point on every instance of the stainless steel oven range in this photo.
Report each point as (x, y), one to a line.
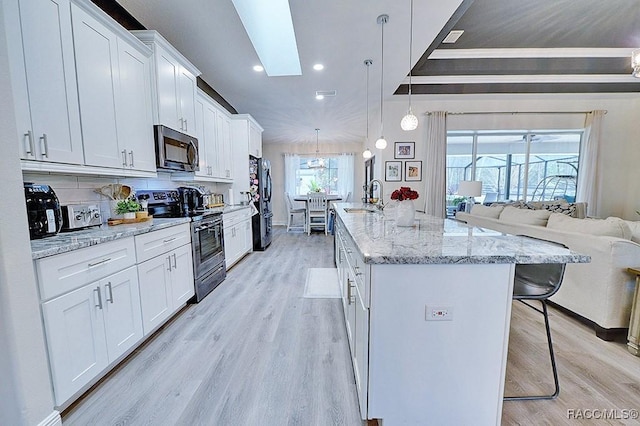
(207, 240)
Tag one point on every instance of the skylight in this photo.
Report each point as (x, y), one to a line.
(270, 29)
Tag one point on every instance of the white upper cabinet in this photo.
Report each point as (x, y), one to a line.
(97, 69)
(134, 111)
(255, 139)
(45, 90)
(174, 88)
(225, 147)
(213, 130)
(114, 92)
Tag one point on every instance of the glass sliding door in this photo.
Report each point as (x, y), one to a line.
(514, 165)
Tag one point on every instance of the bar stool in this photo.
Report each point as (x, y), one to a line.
(539, 282)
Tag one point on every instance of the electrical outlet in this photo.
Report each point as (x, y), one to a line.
(439, 313)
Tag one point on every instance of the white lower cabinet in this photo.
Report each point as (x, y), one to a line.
(238, 239)
(354, 278)
(155, 292)
(99, 302)
(89, 328)
(166, 280)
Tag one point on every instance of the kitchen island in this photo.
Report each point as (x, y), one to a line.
(427, 311)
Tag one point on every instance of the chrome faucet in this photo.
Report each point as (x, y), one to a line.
(379, 204)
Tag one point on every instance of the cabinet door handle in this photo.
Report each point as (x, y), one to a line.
(97, 290)
(131, 158)
(169, 259)
(175, 261)
(91, 265)
(357, 269)
(124, 158)
(110, 296)
(45, 145)
(350, 298)
(30, 148)
(168, 240)
(181, 123)
(186, 125)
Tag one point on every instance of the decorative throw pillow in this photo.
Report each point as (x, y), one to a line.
(635, 230)
(525, 216)
(563, 208)
(611, 226)
(484, 211)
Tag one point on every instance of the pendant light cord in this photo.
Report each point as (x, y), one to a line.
(382, 80)
(368, 63)
(410, 49)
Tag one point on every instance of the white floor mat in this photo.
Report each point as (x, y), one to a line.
(322, 283)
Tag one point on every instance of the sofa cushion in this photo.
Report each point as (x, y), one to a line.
(611, 226)
(525, 216)
(485, 211)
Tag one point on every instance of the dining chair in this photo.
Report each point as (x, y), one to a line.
(539, 282)
(317, 211)
(292, 212)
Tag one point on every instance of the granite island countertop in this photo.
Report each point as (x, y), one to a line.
(68, 241)
(433, 240)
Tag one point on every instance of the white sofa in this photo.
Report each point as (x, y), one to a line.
(600, 291)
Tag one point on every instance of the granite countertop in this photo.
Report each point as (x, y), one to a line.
(68, 241)
(433, 240)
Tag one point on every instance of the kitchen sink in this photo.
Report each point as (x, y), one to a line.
(358, 210)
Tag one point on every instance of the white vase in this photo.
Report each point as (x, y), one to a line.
(130, 215)
(405, 213)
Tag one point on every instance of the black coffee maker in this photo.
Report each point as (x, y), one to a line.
(191, 199)
(43, 210)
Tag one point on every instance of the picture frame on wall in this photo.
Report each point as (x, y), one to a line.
(393, 171)
(413, 171)
(404, 150)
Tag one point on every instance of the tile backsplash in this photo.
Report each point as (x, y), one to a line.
(81, 189)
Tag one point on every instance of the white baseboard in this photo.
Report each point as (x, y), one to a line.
(52, 419)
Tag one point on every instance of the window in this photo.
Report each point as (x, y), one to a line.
(336, 177)
(531, 166)
(313, 179)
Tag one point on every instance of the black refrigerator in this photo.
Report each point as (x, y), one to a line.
(260, 189)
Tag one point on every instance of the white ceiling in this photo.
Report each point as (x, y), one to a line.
(340, 34)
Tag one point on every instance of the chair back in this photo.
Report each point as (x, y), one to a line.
(538, 281)
(317, 201)
(347, 199)
(288, 201)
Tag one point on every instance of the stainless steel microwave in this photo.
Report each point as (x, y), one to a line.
(175, 150)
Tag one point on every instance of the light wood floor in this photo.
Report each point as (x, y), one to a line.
(254, 352)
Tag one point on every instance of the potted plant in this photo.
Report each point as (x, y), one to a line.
(128, 208)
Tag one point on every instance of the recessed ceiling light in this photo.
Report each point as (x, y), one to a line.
(318, 67)
(319, 97)
(258, 68)
(453, 36)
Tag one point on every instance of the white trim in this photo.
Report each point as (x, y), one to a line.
(52, 419)
(542, 78)
(570, 52)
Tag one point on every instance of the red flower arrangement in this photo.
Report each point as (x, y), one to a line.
(404, 193)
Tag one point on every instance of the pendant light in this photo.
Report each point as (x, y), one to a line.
(317, 163)
(367, 152)
(410, 121)
(381, 143)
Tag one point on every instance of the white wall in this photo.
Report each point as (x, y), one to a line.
(25, 389)
(275, 153)
(620, 150)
